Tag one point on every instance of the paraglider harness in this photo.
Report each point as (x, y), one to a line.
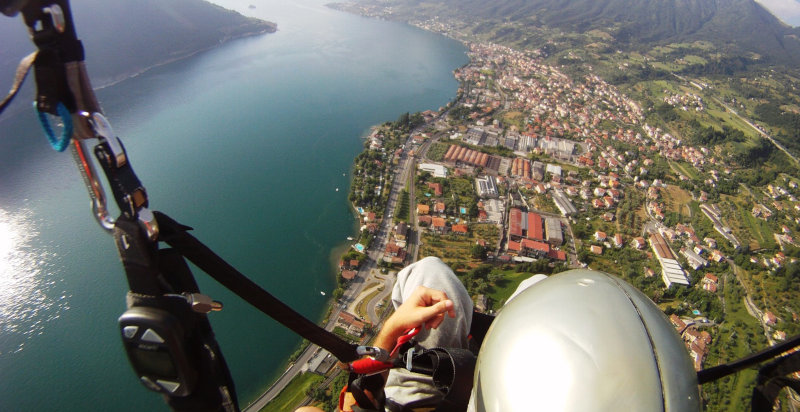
(165, 331)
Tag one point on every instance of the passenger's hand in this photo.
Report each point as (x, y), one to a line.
(424, 307)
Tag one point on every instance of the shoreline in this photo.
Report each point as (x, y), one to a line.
(335, 255)
(138, 72)
(338, 251)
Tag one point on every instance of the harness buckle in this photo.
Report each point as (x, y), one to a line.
(57, 17)
(148, 222)
(103, 131)
(375, 352)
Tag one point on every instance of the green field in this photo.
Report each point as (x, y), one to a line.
(757, 229)
(685, 169)
(293, 394)
(453, 248)
(504, 287)
(692, 59)
(738, 336)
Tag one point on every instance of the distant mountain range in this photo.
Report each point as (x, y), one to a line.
(733, 26)
(125, 37)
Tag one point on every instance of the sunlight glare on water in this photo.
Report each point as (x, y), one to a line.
(25, 307)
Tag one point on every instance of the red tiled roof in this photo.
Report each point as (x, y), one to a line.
(557, 254)
(534, 245)
(460, 228)
(392, 248)
(535, 229)
(437, 187)
(349, 274)
(515, 221)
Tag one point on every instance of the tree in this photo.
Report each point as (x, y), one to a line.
(481, 272)
(478, 252)
(473, 208)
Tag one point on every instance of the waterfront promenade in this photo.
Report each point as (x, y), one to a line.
(351, 297)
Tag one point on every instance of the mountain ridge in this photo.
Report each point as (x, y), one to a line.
(734, 26)
(127, 37)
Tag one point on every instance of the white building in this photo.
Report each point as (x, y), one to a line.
(434, 169)
(486, 187)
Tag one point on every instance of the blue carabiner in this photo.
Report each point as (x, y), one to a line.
(59, 144)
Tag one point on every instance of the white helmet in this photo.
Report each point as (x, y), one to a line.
(583, 340)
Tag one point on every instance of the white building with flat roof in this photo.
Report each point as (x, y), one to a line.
(486, 187)
(563, 203)
(435, 169)
(671, 270)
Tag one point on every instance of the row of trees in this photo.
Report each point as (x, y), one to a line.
(711, 136)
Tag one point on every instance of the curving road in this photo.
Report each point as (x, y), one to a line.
(374, 318)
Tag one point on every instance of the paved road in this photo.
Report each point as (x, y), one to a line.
(751, 306)
(374, 254)
(757, 129)
(372, 314)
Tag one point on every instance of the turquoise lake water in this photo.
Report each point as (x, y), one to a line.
(246, 143)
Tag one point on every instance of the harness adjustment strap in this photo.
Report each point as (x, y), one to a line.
(176, 235)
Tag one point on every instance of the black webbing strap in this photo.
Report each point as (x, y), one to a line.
(157, 278)
(479, 326)
(772, 378)
(717, 372)
(176, 235)
(58, 46)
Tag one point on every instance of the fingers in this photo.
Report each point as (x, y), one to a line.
(431, 297)
(434, 315)
(425, 307)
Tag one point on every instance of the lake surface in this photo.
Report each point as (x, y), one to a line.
(246, 143)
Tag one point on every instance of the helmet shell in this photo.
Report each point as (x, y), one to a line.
(583, 340)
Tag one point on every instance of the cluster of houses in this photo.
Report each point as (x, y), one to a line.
(616, 241)
(436, 219)
(348, 268)
(770, 320)
(352, 324)
(396, 250)
(685, 101)
(697, 342)
(557, 104)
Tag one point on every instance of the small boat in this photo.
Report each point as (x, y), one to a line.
(322, 293)
(337, 189)
(350, 238)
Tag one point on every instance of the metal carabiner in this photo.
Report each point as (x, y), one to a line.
(101, 129)
(96, 193)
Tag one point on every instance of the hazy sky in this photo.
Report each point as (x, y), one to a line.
(786, 10)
